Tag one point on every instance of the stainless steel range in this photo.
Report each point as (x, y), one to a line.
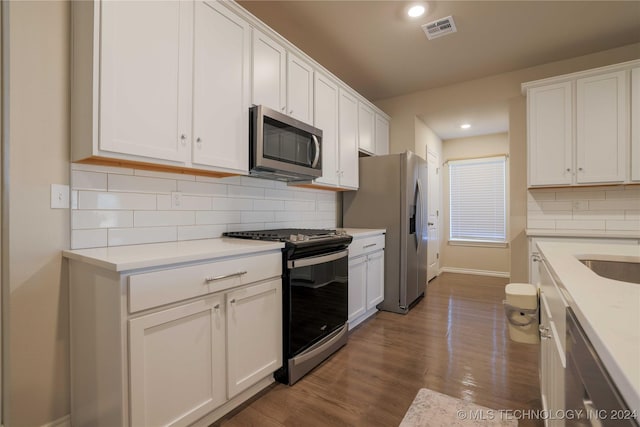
(315, 285)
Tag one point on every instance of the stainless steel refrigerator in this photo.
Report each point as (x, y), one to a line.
(392, 195)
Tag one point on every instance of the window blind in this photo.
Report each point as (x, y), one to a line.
(477, 203)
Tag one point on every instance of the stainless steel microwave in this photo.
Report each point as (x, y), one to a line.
(282, 147)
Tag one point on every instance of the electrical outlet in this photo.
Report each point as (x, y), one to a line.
(59, 196)
(176, 200)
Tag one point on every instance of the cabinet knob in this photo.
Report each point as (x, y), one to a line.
(183, 139)
(216, 307)
(580, 169)
(233, 301)
(198, 140)
(283, 109)
(291, 112)
(568, 170)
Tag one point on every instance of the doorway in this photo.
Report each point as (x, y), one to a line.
(433, 184)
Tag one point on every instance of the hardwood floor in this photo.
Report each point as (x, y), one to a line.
(455, 341)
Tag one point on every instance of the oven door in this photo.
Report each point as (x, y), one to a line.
(318, 298)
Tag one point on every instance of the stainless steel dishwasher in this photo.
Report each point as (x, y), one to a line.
(590, 394)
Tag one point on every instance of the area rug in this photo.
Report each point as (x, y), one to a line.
(433, 409)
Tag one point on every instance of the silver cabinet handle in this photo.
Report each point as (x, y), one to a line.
(430, 223)
(283, 109)
(233, 301)
(369, 246)
(224, 276)
(216, 307)
(290, 112)
(544, 332)
(183, 139)
(535, 258)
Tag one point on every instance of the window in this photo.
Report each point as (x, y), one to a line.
(477, 205)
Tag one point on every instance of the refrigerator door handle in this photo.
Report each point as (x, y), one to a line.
(419, 215)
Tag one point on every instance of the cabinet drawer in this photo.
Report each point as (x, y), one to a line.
(366, 245)
(147, 290)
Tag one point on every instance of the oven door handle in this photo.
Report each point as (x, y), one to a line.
(305, 262)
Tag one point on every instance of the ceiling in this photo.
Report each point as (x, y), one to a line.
(374, 48)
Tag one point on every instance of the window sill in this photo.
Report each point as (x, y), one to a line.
(478, 244)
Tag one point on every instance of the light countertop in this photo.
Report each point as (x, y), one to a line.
(608, 310)
(533, 232)
(124, 258)
(363, 232)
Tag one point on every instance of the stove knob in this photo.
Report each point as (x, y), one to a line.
(293, 238)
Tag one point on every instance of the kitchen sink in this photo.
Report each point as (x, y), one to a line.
(623, 271)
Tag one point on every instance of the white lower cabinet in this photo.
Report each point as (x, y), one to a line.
(366, 278)
(177, 363)
(552, 346)
(173, 346)
(254, 334)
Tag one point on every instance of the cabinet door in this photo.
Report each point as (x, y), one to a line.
(254, 334)
(601, 128)
(366, 128)
(177, 363)
(549, 127)
(357, 287)
(375, 279)
(268, 72)
(221, 88)
(382, 135)
(145, 92)
(348, 139)
(299, 89)
(635, 124)
(325, 110)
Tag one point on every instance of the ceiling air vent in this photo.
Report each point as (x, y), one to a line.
(439, 28)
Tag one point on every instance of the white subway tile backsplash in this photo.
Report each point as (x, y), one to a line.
(279, 194)
(601, 209)
(614, 204)
(300, 206)
(254, 192)
(580, 225)
(217, 217)
(84, 180)
(195, 232)
(580, 195)
(85, 219)
(196, 187)
(163, 218)
(125, 206)
(228, 204)
(630, 225)
(256, 216)
(268, 205)
(141, 184)
(136, 236)
(81, 239)
(112, 200)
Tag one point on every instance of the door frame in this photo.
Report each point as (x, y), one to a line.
(4, 209)
(434, 200)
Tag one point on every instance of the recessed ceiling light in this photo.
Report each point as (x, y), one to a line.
(465, 126)
(416, 11)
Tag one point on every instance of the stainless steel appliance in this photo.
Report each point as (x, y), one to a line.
(315, 286)
(392, 195)
(589, 390)
(282, 147)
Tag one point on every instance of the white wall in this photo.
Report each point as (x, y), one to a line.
(119, 206)
(38, 374)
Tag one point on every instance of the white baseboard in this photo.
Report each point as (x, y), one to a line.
(60, 422)
(504, 274)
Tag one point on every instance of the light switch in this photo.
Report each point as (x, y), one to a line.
(59, 196)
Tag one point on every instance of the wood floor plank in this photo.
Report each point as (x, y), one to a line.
(455, 341)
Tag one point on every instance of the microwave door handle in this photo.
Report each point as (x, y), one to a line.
(316, 143)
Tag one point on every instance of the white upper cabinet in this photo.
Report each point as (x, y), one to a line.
(325, 110)
(299, 89)
(348, 139)
(601, 128)
(366, 128)
(382, 135)
(578, 128)
(163, 83)
(269, 73)
(144, 90)
(635, 124)
(549, 110)
(221, 88)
